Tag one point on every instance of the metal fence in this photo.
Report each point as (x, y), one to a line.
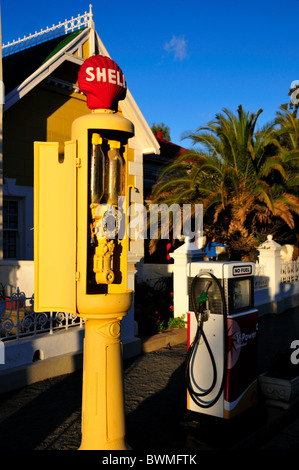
(18, 318)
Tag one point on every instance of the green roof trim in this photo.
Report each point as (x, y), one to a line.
(19, 66)
(66, 40)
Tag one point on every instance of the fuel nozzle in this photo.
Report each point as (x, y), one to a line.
(203, 301)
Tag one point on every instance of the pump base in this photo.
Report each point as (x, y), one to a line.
(103, 409)
(120, 444)
(240, 391)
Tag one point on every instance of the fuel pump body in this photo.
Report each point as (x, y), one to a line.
(109, 126)
(62, 222)
(234, 346)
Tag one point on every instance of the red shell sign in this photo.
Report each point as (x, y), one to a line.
(103, 82)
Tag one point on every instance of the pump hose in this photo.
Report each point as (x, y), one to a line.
(200, 332)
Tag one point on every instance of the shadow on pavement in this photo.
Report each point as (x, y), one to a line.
(41, 414)
(162, 424)
(47, 415)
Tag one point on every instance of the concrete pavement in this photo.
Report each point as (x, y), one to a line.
(47, 415)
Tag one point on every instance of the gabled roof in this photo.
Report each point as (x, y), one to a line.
(39, 62)
(21, 65)
(168, 149)
(26, 69)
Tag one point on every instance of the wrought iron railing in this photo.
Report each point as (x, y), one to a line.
(18, 318)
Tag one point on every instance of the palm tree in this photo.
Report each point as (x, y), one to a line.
(239, 176)
(288, 137)
(288, 143)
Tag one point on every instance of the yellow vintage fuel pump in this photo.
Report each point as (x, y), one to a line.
(80, 227)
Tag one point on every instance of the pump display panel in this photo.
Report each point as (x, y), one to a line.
(237, 281)
(240, 295)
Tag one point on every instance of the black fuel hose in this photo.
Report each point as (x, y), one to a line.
(197, 396)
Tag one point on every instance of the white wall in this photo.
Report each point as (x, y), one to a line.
(17, 273)
(24, 194)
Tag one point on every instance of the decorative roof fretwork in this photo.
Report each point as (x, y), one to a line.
(81, 21)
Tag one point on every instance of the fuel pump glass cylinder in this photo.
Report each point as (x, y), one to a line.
(97, 172)
(114, 173)
(106, 176)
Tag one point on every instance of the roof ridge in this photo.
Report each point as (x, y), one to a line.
(81, 21)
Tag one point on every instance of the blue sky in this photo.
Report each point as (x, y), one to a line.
(185, 60)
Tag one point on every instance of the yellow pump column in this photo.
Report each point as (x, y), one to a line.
(103, 416)
(102, 295)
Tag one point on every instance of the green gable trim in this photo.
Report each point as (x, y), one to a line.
(66, 40)
(19, 66)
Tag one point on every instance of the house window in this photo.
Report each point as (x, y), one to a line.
(10, 228)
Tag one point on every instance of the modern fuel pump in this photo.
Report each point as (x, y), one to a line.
(81, 244)
(221, 361)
